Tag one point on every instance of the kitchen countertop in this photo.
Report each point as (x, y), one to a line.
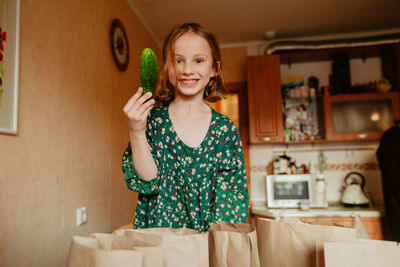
(331, 211)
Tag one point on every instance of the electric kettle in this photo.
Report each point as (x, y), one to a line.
(353, 192)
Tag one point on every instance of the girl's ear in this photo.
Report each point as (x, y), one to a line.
(215, 70)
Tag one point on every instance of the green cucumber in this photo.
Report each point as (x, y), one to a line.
(148, 70)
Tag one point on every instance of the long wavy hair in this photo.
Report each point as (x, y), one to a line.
(165, 91)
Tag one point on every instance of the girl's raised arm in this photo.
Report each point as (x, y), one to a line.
(136, 112)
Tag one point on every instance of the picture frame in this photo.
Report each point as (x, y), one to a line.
(9, 65)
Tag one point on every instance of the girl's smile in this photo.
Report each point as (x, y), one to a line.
(188, 82)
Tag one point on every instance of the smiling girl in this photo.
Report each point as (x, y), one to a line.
(184, 158)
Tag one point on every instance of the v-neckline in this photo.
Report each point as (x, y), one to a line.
(205, 138)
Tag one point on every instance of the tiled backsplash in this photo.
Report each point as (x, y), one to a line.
(339, 161)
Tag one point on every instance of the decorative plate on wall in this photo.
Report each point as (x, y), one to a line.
(119, 45)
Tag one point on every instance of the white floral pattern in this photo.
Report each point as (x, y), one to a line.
(194, 186)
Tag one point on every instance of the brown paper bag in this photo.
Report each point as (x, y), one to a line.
(232, 245)
(155, 247)
(183, 247)
(294, 243)
(87, 252)
(147, 244)
(365, 253)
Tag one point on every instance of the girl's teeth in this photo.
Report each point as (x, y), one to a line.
(190, 81)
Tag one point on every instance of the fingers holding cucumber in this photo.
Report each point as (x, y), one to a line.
(137, 110)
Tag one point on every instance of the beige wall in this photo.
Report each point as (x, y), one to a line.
(71, 131)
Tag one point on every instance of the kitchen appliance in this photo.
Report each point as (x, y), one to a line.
(291, 191)
(353, 193)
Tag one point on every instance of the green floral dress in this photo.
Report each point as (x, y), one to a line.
(194, 186)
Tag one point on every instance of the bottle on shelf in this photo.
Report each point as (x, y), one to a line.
(320, 197)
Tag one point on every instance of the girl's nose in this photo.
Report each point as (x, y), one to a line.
(187, 68)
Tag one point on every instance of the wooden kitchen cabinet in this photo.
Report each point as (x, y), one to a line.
(360, 116)
(265, 100)
(373, 225)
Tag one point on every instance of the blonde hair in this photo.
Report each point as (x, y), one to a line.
(165, 91)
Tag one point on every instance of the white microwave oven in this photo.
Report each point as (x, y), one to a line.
(290, 191)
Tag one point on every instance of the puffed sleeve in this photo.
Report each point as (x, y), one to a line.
(232, 196)
(132, 179)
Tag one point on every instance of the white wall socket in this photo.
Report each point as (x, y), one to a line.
(81, 216)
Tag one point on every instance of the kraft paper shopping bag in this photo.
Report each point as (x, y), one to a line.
(162, 247)
(367, 253)
(232, 245)
(87, 252)
(183, 247)
(294, 243)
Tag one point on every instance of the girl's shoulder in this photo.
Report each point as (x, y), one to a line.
(222, 120)
(158, 115)
(224, 123)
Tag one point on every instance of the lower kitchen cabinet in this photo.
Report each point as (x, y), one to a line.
(373, 225)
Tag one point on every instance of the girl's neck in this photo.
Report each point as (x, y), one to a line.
(187, 106)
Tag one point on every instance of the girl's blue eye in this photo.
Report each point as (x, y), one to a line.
(199, 60)
(178, 60)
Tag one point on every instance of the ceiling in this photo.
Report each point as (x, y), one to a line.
(242, 21)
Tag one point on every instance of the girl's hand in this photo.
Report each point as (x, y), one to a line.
(136, 111)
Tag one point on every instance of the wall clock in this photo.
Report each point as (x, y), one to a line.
(119, 45)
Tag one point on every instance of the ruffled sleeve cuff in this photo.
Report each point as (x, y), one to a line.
(133, 180)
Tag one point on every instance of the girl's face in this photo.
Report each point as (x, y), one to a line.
(194, 65)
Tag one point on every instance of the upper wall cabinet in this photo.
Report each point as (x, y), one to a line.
(265, 102)
(359, 116)
(287, 104)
